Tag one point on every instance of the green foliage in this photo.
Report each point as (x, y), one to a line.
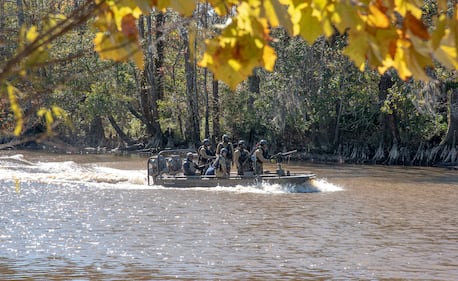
(315, 98)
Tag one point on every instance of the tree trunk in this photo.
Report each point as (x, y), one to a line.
(388, 121)
(96, 135)
(215, 95)
(207, 108)
(452, 130)
(20, 13)
(339, 109)
(125, 138)
(388, 126)
(159, 59)
(149, 90)
(253, 86)
(2, 30)
(449, 150)
(192, 134)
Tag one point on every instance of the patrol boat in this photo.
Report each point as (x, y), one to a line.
(166, 169)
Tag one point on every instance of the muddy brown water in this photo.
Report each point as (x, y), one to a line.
(92, 217)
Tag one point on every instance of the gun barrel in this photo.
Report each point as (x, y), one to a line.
(289, 152)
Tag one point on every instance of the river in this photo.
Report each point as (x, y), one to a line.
(93, 217)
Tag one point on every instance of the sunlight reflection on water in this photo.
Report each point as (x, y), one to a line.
(91, 221)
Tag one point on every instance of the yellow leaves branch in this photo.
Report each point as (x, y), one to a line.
(34, 43)
(382, 34)
(15, 108)
(242, 46)
(49, 116)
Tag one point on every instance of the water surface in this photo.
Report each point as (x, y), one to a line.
(92, 217)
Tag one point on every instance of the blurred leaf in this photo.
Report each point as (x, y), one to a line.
(416, 26)
(445, 41)
(47, 114)
(242, 46)
(222, 7)
(15, 109)
(376, 17)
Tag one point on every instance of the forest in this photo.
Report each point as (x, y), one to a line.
(315, 99)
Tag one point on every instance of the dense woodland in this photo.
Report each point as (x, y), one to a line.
(315, 100)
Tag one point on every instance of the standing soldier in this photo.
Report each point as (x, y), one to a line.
(230, 149)
(241, 157)
(222, 164)
(261, 157)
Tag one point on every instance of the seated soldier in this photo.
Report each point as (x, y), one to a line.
(189, 166)
(206, 155)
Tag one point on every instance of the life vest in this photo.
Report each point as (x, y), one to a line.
(243, 156)
(264, 153)
(207, 151)
(227, 146)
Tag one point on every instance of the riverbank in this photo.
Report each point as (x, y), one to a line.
(300, 156)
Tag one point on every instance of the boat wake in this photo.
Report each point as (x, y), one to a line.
(314, 186)
(16, 171)
(19, 170)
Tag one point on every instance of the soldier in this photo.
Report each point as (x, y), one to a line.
(206, 156)
(261, 155)
(241, 158)
(189, 166)
(222, 164)
(230, 149)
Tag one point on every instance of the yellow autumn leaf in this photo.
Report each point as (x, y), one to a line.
(222, 7)
(399, 62)
(143, 6)
(417, 64)
(277, 14)
(32, 34)
(302, 21)
(416, 26)
(129, 27)
(268, 58)
(135, 7)
(376, 17)
(17, 112)
(115, 46)
(120, 12)
(346, 16)
(17, 184)
(412, 6)
(407, 61)
(439, 32)
(49, 119)
(183, 7)
(242, 46)
(356, 48)
(445, 41)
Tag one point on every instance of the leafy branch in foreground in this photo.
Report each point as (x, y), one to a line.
(382, 34)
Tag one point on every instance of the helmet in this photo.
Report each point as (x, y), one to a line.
(206, 141)
(262, 142)
(225, 138)
(189, 155)
(223, 150)
(241, 142)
